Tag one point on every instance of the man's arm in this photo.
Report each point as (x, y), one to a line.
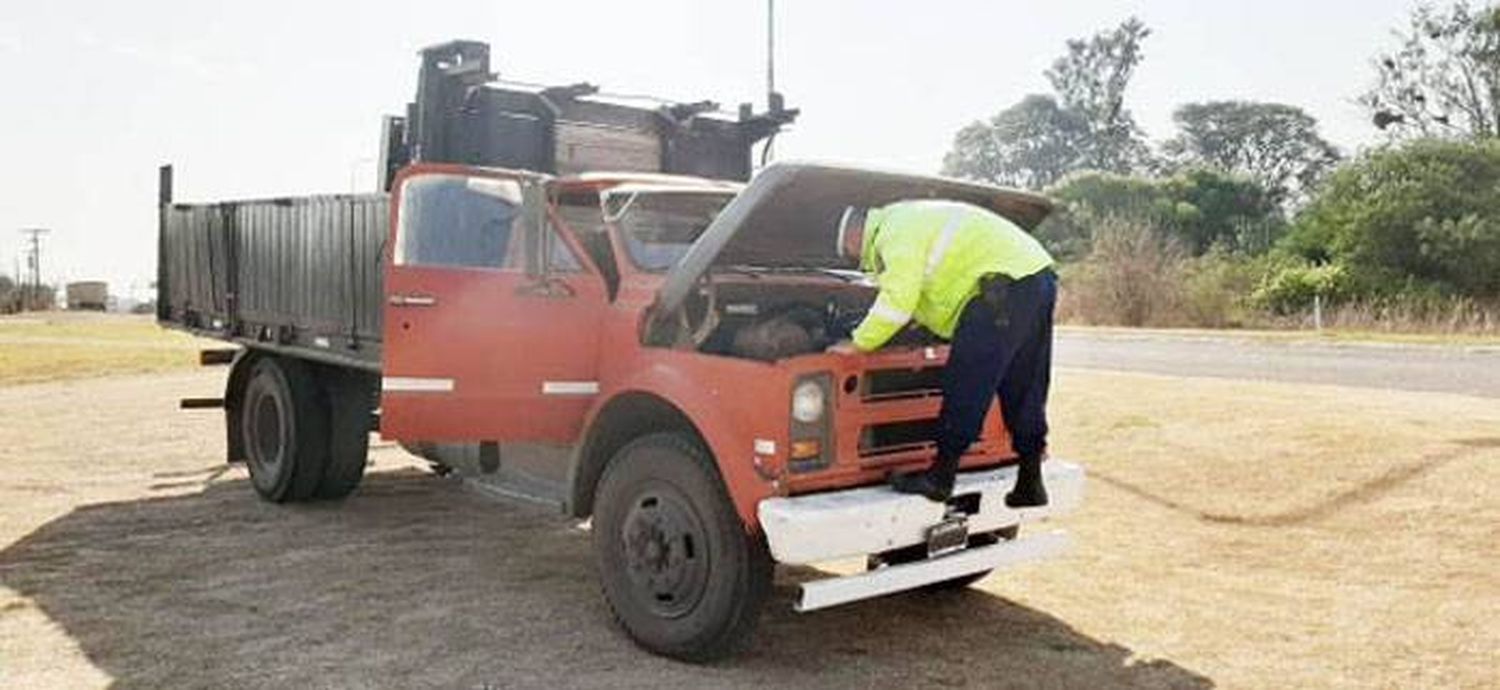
(900, 290)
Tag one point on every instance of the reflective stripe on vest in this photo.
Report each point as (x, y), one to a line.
(940, 247)
(889, 313)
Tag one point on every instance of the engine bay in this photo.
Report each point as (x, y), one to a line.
(767, 320)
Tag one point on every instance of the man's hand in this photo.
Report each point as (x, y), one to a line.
(843, 347)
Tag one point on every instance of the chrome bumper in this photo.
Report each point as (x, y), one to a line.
(859, 522)
(822, 594)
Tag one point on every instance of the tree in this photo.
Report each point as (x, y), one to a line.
(1032, 145)
(1084, 126)
(1090, 82)
(1198, 210)
(1444, 79)
(1426, 214)
(1276, 145)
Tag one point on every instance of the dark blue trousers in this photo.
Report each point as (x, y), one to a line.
(1012, 359)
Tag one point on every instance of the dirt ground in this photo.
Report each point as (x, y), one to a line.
(1235, 534)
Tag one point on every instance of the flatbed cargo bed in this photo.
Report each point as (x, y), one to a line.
(297, 275)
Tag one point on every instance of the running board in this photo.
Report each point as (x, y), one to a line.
(833, 591)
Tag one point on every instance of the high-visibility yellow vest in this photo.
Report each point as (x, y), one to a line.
(928, 257)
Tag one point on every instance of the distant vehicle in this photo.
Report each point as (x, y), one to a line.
(639, 348)
(88, 295)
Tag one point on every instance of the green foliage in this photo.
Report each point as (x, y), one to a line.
(1276, 145)
(1083, 126)
(1197, 209)
(1425, 214)
(1031, 145)
(1290, 286)
(1444, 79)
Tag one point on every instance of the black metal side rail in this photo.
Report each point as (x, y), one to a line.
(295, 275)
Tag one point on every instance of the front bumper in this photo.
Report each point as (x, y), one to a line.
(860, 522)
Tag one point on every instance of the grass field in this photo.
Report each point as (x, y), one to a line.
(1234, 534)
(60, 345)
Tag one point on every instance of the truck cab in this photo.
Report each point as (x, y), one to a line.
(650, 352)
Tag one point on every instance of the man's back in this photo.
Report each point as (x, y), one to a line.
(940, 250)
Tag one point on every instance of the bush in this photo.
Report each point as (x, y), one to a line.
(1214, 291)
(1422, 216)
(1290, 286)
(1130, 277)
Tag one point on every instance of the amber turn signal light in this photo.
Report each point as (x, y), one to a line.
(806, 450)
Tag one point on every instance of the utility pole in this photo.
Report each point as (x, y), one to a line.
(32, 292)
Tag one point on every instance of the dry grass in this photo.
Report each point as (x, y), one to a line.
(1443, 318)
(1240, 534)
(1276, 535)
(58, 346)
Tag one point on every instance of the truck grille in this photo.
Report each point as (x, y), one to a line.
(897, 437)
(900, 384)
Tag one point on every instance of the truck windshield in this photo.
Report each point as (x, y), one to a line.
(659, 226)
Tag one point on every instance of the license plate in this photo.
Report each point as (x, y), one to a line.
(947, 536)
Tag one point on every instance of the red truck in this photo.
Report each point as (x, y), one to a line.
(643, 350)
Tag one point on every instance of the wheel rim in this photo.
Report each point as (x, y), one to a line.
(267, 434)
(666, 557)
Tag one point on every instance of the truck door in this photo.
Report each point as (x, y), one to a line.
(482, 343)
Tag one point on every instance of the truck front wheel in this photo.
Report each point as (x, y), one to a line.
(285, 427)
(678, 569)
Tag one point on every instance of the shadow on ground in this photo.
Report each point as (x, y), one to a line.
(418, 582)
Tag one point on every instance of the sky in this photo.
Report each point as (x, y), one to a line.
(254, 99)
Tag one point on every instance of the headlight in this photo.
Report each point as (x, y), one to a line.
(808, 402)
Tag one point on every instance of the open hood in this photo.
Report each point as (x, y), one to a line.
(788, 216)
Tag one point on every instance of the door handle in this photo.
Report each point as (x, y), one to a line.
(413, 300)
(547, 289)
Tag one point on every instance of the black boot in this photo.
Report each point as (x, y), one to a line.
(922, 484)
(1029, 491)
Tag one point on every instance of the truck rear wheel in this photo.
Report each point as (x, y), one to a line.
(678, 570)
(353, 398)
(285, 426)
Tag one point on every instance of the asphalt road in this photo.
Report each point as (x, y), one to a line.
(1443, 369)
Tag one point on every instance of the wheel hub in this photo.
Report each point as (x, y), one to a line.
(663, 543)
(266, 431)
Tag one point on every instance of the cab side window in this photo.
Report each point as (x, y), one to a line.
(458, 221)
(585, 219)
(560, 256)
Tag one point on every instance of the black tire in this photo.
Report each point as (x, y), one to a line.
(913, 554)
(353, 397)
(285, 426)
(678, 570)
